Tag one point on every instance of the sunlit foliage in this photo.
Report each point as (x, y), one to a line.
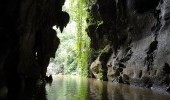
(73, 52)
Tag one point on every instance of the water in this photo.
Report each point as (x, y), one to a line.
(77, 88)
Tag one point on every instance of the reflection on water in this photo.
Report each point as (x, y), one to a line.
(76, 88)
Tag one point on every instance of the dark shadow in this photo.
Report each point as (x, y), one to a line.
(31, 90)
(34, 91)
(49, 79)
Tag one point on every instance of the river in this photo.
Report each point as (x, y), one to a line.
(79, 88)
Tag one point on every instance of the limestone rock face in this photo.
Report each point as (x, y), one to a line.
(95, 67)
(27, 39)
(138, 33)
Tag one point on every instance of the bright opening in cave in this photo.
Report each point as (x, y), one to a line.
(129, 44)
(72, 54)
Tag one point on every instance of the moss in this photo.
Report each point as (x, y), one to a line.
(99, 76)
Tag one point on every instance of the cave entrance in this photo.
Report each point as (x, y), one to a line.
(72, 55)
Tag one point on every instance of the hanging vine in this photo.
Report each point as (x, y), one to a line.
(82, 38)
(73, 52)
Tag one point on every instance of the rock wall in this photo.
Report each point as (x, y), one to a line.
(137, 32)
(27, 40)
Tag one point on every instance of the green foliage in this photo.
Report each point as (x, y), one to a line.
(74, 49)
(82, 38)
(100, 74)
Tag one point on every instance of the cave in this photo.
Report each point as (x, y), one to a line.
(119, 41)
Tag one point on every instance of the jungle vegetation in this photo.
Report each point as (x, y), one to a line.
(73, 52)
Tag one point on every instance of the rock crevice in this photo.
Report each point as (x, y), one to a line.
(137, 32)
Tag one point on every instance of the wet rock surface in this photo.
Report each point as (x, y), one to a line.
(28, 41)
(137, 32)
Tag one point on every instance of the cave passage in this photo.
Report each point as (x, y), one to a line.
(51, 49)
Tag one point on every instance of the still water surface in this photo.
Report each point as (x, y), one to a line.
(78, 88)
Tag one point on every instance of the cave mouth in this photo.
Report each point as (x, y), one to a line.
(71, 57)
(31, 31)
